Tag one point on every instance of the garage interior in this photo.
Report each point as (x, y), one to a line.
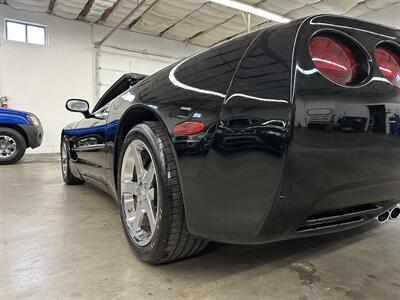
(66, 242)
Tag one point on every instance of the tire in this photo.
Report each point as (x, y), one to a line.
(16, 144)
(67, 175)
(170, 239)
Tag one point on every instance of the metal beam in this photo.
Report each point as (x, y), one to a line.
(138, 19)
(51, 6)
(120, 23)
(243, 32)
(181, 19)
(107, 12)
(85, 10)
(219, 24)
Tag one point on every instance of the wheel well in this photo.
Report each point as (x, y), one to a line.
(19, 129)
(131, 118)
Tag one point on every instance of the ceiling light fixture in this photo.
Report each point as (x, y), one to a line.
(252, 10)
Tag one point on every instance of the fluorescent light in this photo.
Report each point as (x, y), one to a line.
(252, 10)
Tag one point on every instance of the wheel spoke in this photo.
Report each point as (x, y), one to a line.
(127, 165)
(136, 153)
(148, 177)
(150, 193)
(150, 213)
(129, 204)
(129, 221)
(138, 220)
(130, 187)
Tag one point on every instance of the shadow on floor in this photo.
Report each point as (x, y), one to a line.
(231, 259)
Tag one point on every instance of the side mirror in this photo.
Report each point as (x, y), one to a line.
(78, 105)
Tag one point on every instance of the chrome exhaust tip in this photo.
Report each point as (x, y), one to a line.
(395, 213)
(382, 218)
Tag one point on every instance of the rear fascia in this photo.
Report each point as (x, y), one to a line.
(332, 161)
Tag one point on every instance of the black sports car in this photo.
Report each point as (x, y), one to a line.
(278, 134)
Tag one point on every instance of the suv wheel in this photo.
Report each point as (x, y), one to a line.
(12, 146)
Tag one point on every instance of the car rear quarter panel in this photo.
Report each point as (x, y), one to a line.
(193, 88)
(230, 189)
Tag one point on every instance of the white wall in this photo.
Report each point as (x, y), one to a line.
(389, 16)
(39, 79)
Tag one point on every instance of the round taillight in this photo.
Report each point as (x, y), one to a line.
(333, 59)
(389, 64)
(189, 127)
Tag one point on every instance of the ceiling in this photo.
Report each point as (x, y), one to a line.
(198, 22)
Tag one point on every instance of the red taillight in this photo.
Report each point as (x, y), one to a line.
(389, 64)
(189, 127)
(333, 59)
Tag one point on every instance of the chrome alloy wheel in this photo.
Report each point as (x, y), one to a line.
(139, 188)
(64, 159)
(8, 146)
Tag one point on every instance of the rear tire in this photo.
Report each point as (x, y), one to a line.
(168, 238)
(12, 146)
(67, 175)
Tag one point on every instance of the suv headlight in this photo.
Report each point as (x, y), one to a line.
(33, 120)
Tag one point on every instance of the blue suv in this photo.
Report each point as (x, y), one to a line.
(18, 131)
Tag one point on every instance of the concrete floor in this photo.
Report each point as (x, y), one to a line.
(62, 242)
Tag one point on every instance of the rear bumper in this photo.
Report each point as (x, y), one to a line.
(330, 181)
(34, 135)
(351, 177)
(332, 188)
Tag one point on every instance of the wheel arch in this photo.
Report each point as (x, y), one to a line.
(19, 130)
(135, 115)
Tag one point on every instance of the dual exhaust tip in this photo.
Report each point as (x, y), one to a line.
(392, 214)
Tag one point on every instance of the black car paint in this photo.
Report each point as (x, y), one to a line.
(265, 163)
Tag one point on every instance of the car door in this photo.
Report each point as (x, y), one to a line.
(89, 145)
(90, 138)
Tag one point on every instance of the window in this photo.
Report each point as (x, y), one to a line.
(26, 32)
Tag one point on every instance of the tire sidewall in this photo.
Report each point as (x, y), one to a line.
(154, 250)
(20, 145)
